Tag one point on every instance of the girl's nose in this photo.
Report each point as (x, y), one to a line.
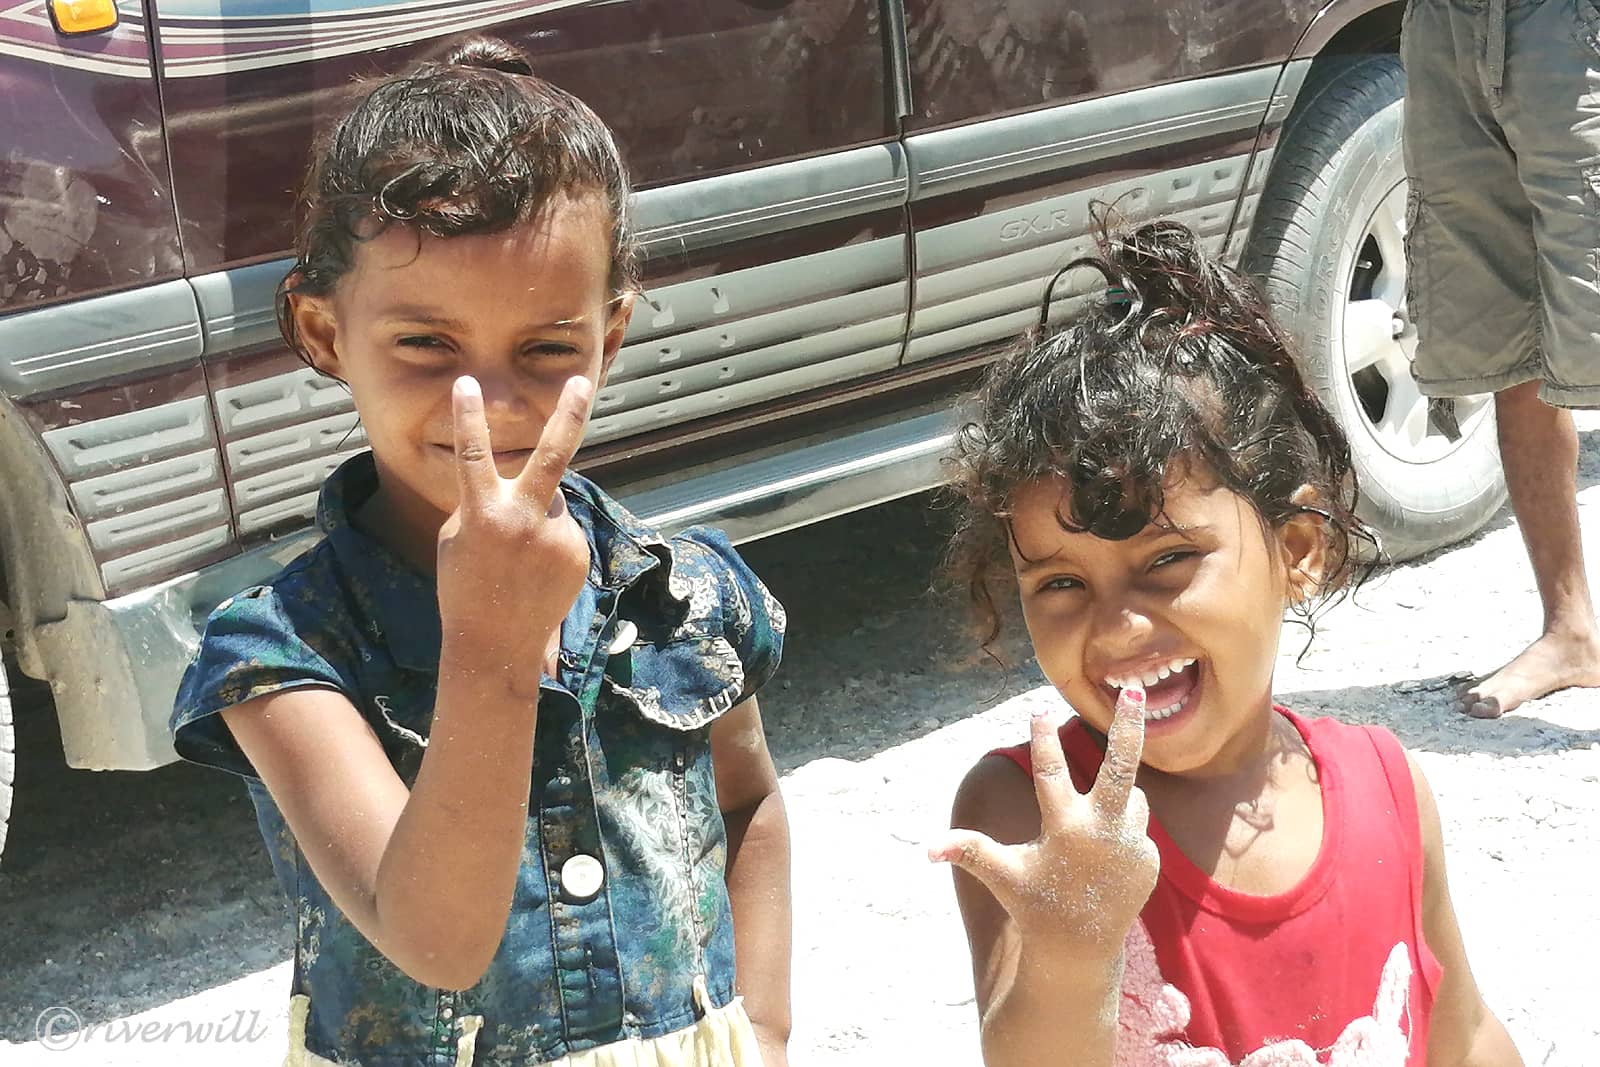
(1119, 630)
(501, 394)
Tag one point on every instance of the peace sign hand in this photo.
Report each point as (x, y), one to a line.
(511, 559)
(1078, 887)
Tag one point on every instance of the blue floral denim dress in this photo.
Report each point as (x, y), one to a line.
(620, 927)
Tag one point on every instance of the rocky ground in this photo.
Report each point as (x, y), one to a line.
(143, 904)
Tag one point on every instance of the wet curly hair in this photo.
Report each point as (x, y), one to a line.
(471, 144)
(1177, 370)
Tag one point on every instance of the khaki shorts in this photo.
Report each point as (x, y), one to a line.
(1502, 145)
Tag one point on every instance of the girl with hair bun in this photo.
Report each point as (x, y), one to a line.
(1185, 874)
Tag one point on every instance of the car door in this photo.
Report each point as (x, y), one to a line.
(1026, 112)
(111, 479)
(771, 200)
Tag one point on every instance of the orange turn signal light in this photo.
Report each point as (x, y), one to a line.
(74, 17)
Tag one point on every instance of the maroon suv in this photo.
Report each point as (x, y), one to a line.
(847, 206)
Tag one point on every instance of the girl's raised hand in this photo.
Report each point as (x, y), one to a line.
(1076, 889)
(511, 558)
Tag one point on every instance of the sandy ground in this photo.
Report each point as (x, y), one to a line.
(143, 905)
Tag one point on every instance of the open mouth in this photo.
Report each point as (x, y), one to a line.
(1168, 687)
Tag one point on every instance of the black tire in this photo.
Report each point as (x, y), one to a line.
(8, 756)
(1323, 238)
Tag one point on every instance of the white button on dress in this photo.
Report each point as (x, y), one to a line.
(582, 877)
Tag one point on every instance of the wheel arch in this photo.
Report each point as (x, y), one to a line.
(45, 559)
(1352, 27)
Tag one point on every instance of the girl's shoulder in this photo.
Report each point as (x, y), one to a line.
(1364, 753)
(297, 629)
(703, 557)
(722, 628)
(703, 569)
(304, 612)
(713, 597)
(1083, 756)
(997, 793)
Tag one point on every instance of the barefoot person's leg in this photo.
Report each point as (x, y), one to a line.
(1539, 449)
(1520, 240)
(1550, 111)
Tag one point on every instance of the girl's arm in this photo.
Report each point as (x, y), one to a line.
(1050, 883)
(426, 875)
(757, 874)
(1463, 1031)
(1032, 1010)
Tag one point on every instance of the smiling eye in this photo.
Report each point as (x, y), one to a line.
(1173, 557)
(1061, 584)
(553, 348)
(419, 341)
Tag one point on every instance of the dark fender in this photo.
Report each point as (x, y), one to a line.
(1333, 18)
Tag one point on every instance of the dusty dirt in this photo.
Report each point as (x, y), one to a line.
(144, 904)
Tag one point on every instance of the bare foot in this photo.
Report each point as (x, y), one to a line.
(1555, 661)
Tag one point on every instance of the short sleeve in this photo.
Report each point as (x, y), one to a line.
(253, 645)
(753, 621)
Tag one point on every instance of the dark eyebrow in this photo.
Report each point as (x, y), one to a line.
(426, 316)
(1039, 564)
(430, 317)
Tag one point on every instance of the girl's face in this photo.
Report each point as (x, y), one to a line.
(522, 310)
(1191, 606)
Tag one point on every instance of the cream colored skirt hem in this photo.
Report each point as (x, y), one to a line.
(723, 1037)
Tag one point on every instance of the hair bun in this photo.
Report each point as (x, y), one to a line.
(1163, 263)
(487, 53)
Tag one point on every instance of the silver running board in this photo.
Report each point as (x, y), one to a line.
(802, 484)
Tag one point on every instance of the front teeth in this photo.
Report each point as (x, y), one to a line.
(1155, 674)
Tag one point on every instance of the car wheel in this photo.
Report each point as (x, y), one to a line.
(1328, 246)
(8, 756)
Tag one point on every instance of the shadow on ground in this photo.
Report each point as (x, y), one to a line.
(1395, 706)
(120, 891)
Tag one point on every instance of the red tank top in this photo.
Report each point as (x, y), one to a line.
(1333, 973)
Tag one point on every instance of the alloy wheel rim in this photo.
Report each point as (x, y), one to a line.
(1379, 341)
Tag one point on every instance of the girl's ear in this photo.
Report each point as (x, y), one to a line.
(1304, 542)
(317, 330)
(616, 329)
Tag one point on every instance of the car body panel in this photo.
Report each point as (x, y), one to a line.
(691, 88)
(85, 184)
(847, 207)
